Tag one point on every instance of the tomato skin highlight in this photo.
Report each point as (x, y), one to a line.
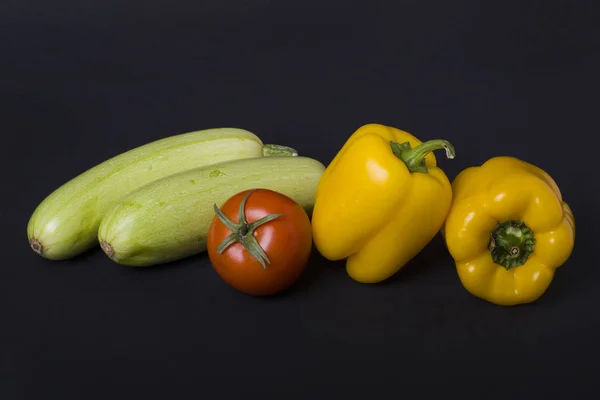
(287, 241)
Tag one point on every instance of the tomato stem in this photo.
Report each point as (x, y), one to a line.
(243, 231)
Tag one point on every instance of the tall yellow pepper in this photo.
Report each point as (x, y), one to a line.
(380, 201)
(508, 230)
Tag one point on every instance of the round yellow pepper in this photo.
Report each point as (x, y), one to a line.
(508, 230)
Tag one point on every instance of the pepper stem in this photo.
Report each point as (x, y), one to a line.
(243, 232)
(511, 244)
(415, 158)
(270, 150)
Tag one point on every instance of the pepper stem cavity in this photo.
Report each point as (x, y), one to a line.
(243, 232)
(415, 158)
(270, 150)
(511, 244)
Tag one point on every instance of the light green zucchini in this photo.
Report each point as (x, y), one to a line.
(65, 223)
(169, 219)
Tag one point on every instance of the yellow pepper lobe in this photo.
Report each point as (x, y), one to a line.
(508, 230)
(413, 225)
(380, 201)
(361, 192)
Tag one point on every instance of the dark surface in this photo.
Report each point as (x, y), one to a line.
(84, 81)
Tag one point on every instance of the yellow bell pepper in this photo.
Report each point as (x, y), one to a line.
(380, 201)
(508, 230)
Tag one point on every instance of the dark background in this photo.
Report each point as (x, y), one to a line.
(84, 81)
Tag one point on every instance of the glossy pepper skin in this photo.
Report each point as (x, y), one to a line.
(508, 230)
(380, 201)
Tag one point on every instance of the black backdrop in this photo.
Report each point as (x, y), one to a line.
(83, 81)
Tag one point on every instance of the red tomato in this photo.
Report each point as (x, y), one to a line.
(269, 258)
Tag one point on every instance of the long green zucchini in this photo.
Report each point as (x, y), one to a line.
(66, 222)
(169, 219)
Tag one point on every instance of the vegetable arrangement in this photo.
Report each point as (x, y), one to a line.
(257, 210)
